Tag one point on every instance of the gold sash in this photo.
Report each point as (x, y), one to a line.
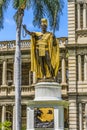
(42, 50)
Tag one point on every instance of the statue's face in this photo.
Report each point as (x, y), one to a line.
(43, 28)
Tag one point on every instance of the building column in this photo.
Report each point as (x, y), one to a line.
(85, 67)
(30, 118)
(61, 117)
(13, 118)
(34, 78)
(84, 15)
(78, 14)
(63, 71)
(56, 119)
(80, 116)
(4, 73)
(79, 68)
(86, 116)
(13, 74)
(3, 114)
(29, 77)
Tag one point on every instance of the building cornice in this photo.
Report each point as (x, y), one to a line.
(75, 45)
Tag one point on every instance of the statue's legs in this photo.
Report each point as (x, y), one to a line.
(40, 61)
(48, 62)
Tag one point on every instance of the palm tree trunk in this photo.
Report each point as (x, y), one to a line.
(18, 72)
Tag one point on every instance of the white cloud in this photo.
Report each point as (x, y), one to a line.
(9, 21)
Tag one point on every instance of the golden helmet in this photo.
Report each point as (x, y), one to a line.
(44, 21)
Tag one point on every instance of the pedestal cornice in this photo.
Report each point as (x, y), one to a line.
(50, 103)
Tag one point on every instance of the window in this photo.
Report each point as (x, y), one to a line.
(9, 77)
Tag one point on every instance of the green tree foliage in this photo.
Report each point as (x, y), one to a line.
(3, 7)
(52, 9)
(23, 127)
(6, 125)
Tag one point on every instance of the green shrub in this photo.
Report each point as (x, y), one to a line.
(6, 125)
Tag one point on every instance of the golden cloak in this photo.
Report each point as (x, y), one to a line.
(53, 52)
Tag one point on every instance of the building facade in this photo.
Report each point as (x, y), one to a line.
(77, 64)
(72, 74)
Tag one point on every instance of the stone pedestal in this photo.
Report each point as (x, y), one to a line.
(47, 95)
(47, 91)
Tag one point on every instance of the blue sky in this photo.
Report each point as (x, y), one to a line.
(9, 31)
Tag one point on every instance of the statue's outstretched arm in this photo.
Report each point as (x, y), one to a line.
(27, 31)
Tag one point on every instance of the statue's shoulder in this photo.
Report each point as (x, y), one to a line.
(38, 33)
(49, 33)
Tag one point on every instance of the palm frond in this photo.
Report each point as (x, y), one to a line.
(5, 4)
(15, 4)
(22, 4)
(3, 7)
(19, 6)
(1, 17)
(28, 4)
(52, 9)
(38, 11)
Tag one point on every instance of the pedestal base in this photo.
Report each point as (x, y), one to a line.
(48, 97)
(47, 91)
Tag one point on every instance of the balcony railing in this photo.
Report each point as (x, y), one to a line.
(28, 90)
(10, 45)
(25, 44)
(10, 90)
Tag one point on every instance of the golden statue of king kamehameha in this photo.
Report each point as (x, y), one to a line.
(44, 52)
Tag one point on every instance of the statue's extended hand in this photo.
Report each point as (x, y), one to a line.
(27, 31)
(24, 26)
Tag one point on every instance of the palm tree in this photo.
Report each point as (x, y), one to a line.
(20, 6)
